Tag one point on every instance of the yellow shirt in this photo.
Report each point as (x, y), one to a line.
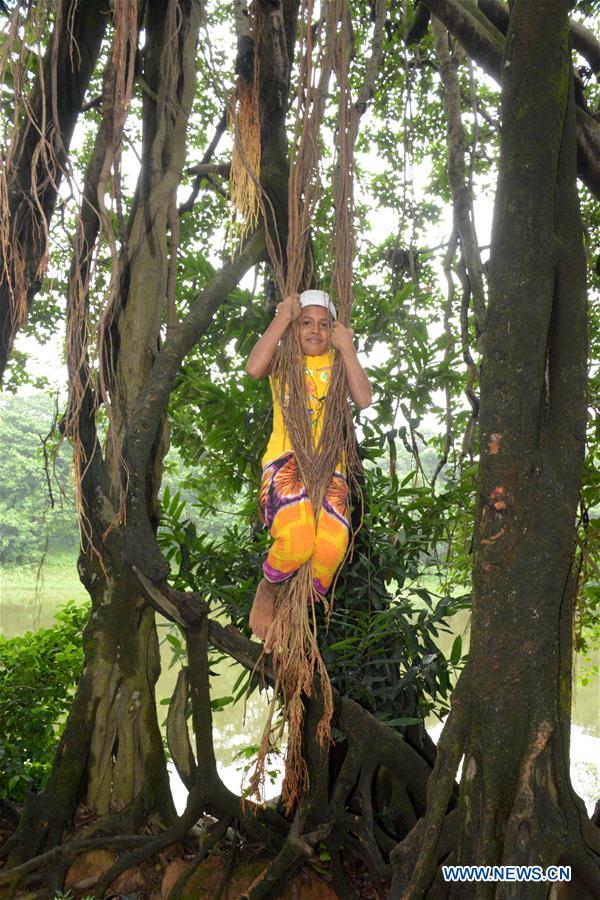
(318, 376)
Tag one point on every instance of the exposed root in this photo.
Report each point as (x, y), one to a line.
(439, 791)
(405, 854)
(68, 852)
(271, 882)
(210, 841)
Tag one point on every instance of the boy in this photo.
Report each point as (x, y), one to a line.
(285, 506)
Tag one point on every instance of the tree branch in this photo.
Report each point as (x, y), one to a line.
(392, 750)
(199, 170)
(204, 169)
(482, 41)
(485, 44)
(586, 43)
(584, 40)
(154, 396)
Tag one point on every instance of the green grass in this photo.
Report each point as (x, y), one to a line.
(28, 602)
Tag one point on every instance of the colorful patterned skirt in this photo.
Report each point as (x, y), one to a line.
(288, 514)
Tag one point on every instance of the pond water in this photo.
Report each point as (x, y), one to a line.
(236, 728)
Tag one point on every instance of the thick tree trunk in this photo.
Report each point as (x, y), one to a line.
(117, 764)
(127, 768)
(111, 758)
(517, 805)
(516, 802)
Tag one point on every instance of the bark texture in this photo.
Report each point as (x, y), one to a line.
(484, 41)
(111, 759)
(516, 802)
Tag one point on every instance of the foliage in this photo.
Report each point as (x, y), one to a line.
(392, 602)
(38, 675)
(380, 645)
(31, 518)
(412, 555)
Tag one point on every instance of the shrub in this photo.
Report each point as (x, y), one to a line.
(38, 674)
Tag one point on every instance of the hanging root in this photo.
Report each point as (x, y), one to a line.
(244, 118)
(23, 217)
(296, 660)
(324, 47)
(296, 654)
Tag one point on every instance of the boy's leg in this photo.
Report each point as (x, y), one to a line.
(287, 511)
(262, 613)
(332, 535)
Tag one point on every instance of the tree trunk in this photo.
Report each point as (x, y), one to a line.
(127, 768)
(111, 759)
(516, 801)
(118, 756)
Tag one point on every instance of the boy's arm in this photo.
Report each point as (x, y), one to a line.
(263, 351)
(358, 383)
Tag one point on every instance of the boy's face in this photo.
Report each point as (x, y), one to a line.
(314, 329)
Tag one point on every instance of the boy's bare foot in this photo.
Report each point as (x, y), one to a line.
(262, 614)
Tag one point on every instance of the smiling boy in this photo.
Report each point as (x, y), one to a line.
(284, 504)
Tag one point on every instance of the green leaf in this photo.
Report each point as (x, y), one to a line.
(456, 652)
(220, 702)
(346, 644)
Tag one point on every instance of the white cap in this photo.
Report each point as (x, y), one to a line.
(317, 298)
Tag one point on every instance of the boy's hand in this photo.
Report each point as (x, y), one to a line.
(341, 337)
(261, 355)
(289, 308)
